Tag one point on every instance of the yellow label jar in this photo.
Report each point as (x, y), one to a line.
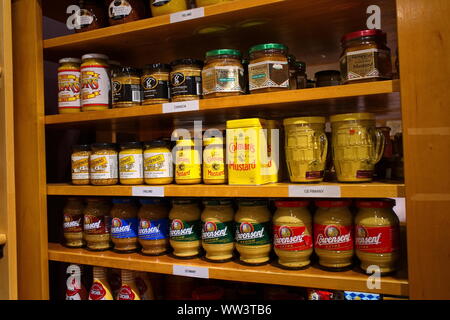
(161, 7)
(97, 224)
(95, 82)
(186, 80)
(155, 84)
(103, 164)
(357, 146)
(69, 87)
(214, 165)
(306, 148)
(73, 223)
(158, 163)
(131, 163)
(187, 161)
(80, 164)
(128, 290)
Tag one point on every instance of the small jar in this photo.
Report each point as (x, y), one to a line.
(153, 226)
(301, 74)
(73, 223)
(124, 225)
(126, 88)
(188, 169)
(365, 57)
(162, 7)
(69, 86)
(214, 164)
(123, 11)
(186, 80)
(131, 163)
(327, 78)
(80, 164)
(158, 163)
(223, 74)
(155, 84)
(95, 82)
(97, 224)
(269, 68)
(103, 164)
(92, 15)
(292, 72)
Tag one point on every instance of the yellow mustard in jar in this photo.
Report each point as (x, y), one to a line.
(103, 164)
(95, 82)
(131, 163)
(69, 88)
(153, 226)
(155, 84)
(185, 228)
(186, 80)
(124, 225)
(80, 164)
(73, 223)
(97, 224)
(306, 148)
(158, 163)
(187, 161)
(161, 7)
(214, 165)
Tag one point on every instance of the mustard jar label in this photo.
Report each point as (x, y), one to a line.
(222, 79)
(268, 74)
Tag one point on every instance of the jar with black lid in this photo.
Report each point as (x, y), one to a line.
(301, 74)
(155, 83)
(186, 80)
(123, 11)
(327, 78)
(126, 88)
(92, 15)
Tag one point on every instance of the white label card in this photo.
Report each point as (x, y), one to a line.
(147, 192)
(190, 271)
(181, 106)
(315, 191)
(187, 15)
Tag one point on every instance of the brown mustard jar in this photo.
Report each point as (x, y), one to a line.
(123, 11)
(97, 224)
(80, 164)
(126, 88)
(269, 68)
(153, 226)
(103, 164)
(124, 225)
(365, 57)
(92, 15)
(186, 80)
(73, 223)
(155, 84)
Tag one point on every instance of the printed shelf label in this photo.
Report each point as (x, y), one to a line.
(315, 191)
(181, 106)
(147, 191)
(187, 15)
(190, 271)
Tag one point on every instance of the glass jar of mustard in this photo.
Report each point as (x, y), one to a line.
(155, 84)
(218, 229)
(126, 88)
(377, 235)
(80, 164)
(92, 15)
(223, 74)
(214, 164)
(306, 147)
(97, 224)
(103, 164)
(185, 228)
(124, 225)
(357, 146)
(73, 223)
(161, 7)
(153, 226)
(186, 80)
(333, 233)
(268, 69)
(292, 231)
(301, 74)
(131, 163)
(69, 86)
(158, 163)
(123, 11)
(253, 231)
(95, 82)
(327, 78)
(365, 57)
(188, 168)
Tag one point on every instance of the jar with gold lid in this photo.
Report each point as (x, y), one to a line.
(155, 83)
(186, 80)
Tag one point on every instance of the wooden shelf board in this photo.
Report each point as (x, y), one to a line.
(270, 274)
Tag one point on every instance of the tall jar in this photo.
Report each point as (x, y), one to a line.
(253, 231)
(186, 80)
(124, 225)
(155, 84)
(223, 74)
(131, 163)
(73, 223)
(377, 235)
(126, 88)
(185, 228)
(123, 11)
(188, 169)
(357, 146)
(97, 224)
(214, 164)
(103, 164)
(69, 86)
(306, 147)
(158, 163)
(268, 69)
(95, 82)
(333, 233)
(292, 231)
(162, 7)
(153, 226)
(365, 57)
(80, 164)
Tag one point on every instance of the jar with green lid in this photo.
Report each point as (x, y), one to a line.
(155, 83)
(301, 74)
(126, 88)
(269, 68)
(80, 164)
(223, 74)
(103, 164)
(158, 163)
(186, 80)
(188, 168)
(131, 163)
(214, 164)
(328, 78)
(95, 82)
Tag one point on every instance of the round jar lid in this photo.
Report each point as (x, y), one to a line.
(70, 60)
(95, 56)
(103, 145)
(188, 62)
(252, 202)
(304, 120)
(131, 145)
(217, 202)
(122, 201)
(268, 46)
(362, 33)
(291, 203)
(128, 70)
(352, 117)
(81, 147)
(157, 66)
(333, 203)
(220, 52)
(379, 203)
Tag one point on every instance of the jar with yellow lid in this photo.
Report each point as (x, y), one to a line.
(186, 80)
(333, 234)
(253, 231)
(218, 229)
(185, 228)
(97, 224)
(153, 226)
(161, 7)
(204, 3)
(103, 164)
(131, 163)
(188, 168)
(357, 146)
(155, 84)
(306, 147)
(158, 163)
(95, 82)
(69, 86)
(80, 164)
(73, 223)
(292, 231)
(223, 74)
(214, 164)
(268, 69)
(126, 88)
(124, 225)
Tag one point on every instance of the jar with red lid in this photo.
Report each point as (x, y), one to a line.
(365, 57)
(123, 11)
(377, 235)
(333, 233)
